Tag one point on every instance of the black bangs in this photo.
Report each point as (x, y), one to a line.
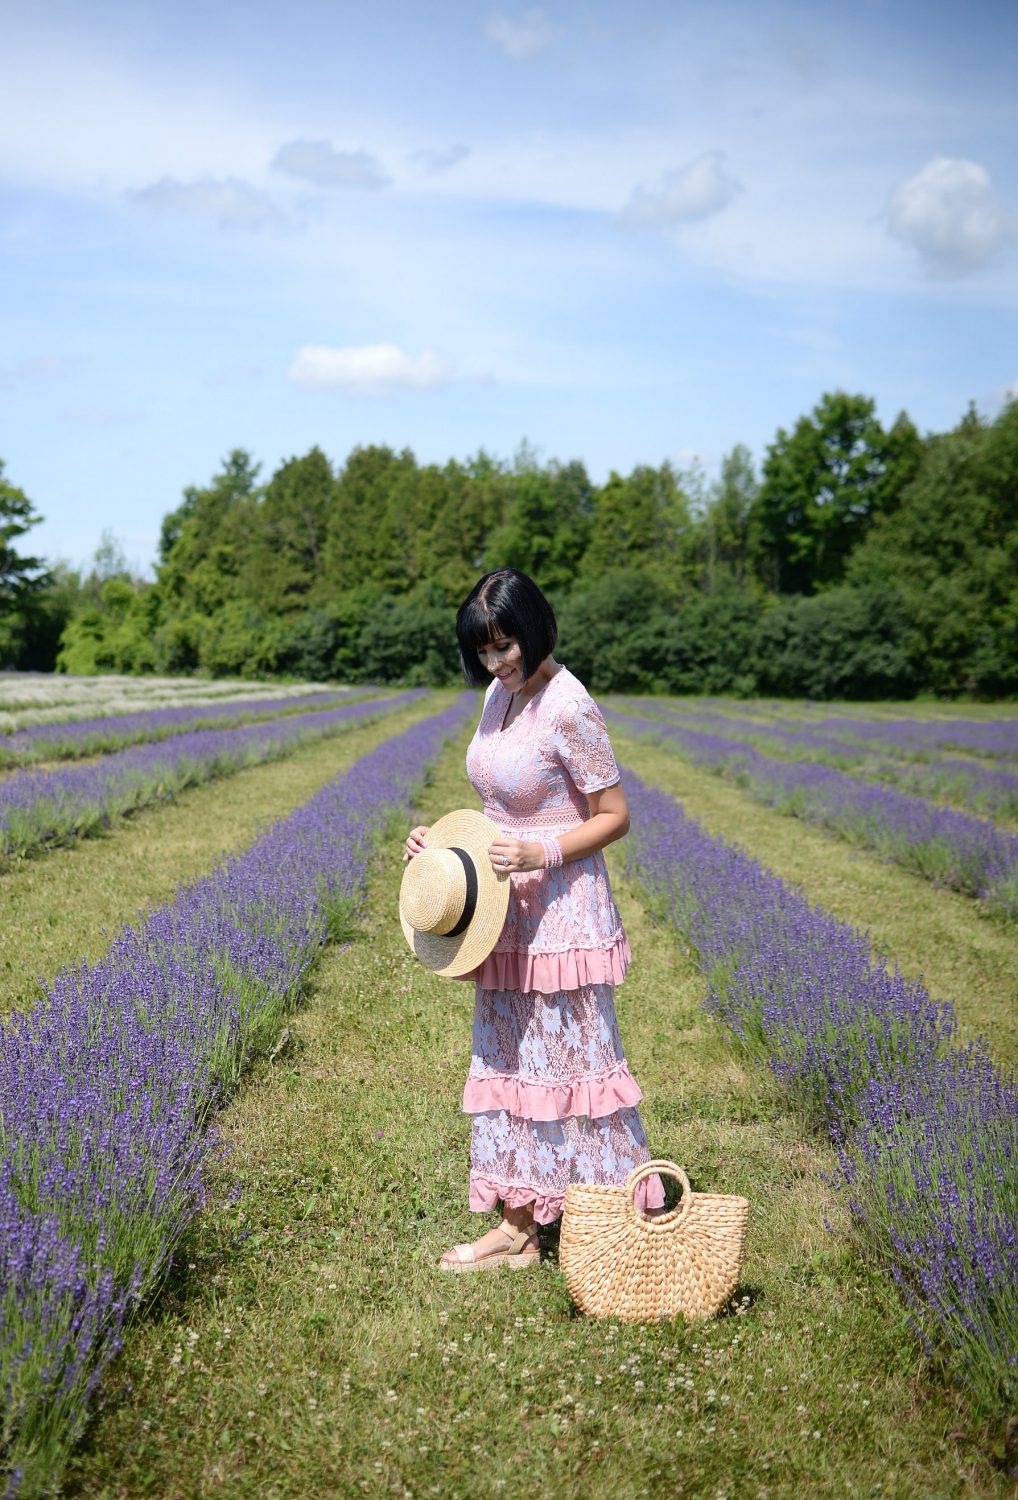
(505, 603)
(479, 623)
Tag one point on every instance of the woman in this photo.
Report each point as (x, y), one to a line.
(551, 1096)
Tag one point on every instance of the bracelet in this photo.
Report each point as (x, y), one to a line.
(552, 853)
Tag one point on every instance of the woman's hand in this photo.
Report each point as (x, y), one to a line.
(417, 839)
(515, 855)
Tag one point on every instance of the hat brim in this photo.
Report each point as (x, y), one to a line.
(455, 956)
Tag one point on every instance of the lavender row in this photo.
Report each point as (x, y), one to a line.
(985, 788)
(39, 808)
(107, 1086)
(940, 843)
(926, 1135)
(911, 737)
(797, 743)
(97, 736)
(921, 737)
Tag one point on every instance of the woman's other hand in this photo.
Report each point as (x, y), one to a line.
(515, 855)
(417, 839)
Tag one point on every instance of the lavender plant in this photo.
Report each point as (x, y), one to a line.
(915, 736)
(108, 1087)
(41, 808)
(927, 1135)
(940, 843)
(989, 789)
(75, 738)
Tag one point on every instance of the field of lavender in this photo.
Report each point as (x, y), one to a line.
(942, 844)
(73, 739)
(909, 752)
(926, 1133)
(112, 1169)
(107, 1088)
(39, 809)
(32, 698)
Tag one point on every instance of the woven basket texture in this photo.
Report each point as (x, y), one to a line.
(619, 1263)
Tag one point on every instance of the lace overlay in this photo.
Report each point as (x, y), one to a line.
(545, 1038)
(533, 777)
(535, 1160)
(549, 1089)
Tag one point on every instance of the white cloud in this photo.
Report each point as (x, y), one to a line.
(949, 213)
(701, 188)
(322, 164)
(230, 203)
(368, 369)
(521, 38)
(37, 367)
(440, 160)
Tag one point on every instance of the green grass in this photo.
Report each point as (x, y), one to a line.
(929, 930)
(65, 907)
(309, 1346)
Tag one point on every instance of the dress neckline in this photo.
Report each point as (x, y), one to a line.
(503, 727)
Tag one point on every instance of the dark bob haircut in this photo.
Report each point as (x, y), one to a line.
(505, 602)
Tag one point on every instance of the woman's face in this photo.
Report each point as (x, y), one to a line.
(503, 658)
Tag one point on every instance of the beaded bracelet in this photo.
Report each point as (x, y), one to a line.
(552, 853)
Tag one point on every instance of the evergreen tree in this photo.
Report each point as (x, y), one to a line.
(285, 558)
(204, 543)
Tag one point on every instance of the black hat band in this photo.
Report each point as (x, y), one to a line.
(470, 901)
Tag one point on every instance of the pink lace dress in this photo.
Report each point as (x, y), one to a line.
(551, 1096)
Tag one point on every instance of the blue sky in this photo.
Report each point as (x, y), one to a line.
(623, 233)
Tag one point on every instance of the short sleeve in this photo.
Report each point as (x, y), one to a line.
(582, 746)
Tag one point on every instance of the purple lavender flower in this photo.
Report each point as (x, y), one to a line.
(39, 808)
(107, 1086)
(939, 843)
(927, 1135)
(73, 738)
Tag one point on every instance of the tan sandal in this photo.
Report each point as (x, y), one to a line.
(516, 1257)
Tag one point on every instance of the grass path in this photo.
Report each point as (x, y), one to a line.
(964, 956)
(61, 908)
(308, 1346)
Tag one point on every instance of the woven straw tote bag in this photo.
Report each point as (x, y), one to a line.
(619, 1263)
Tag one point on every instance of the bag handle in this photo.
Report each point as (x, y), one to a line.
(675, 1215)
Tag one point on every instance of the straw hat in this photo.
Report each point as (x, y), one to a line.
(453, 903)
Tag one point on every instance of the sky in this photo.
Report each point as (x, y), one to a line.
(620, 233)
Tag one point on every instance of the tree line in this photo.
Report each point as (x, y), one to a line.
(860, 562)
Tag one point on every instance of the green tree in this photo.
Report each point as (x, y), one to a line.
(726, 520)
(20, 576)
(285, 559)
(205, 542)
(546, 524)
(843, 643)
(363, 536)
(614, 632)
(951, 548)
(823, 486)
(46, 612)
(643, 521)
(410, 640)
(114, 633)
